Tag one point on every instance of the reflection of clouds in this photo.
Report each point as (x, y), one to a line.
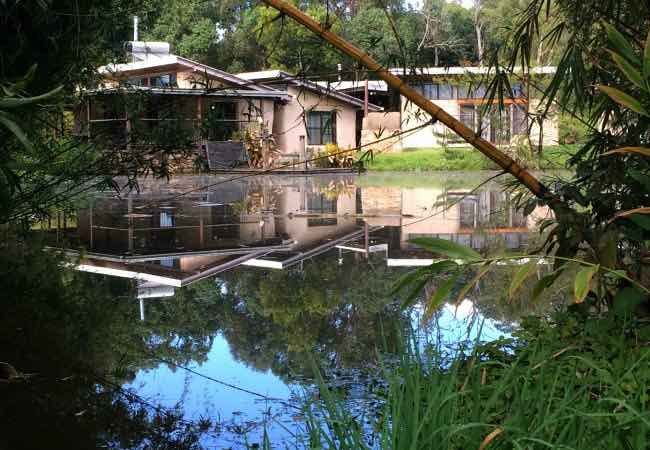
(454, 325)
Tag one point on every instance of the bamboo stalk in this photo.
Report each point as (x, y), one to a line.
(475, 140)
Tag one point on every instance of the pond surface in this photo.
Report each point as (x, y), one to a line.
(233, 289)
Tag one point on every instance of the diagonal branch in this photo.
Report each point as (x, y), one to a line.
(488, 149)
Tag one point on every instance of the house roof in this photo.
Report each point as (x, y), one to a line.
(166, 61)
(354, 85)
(461, 70)
(275, 76)
(237, 93)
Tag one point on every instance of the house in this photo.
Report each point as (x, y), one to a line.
(159, 90)
(459, 91)
(318, 115)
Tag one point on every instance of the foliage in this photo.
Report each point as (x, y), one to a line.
(333, 156)
(571, 130)
(75, 338)
(558, 384)
(594, 285)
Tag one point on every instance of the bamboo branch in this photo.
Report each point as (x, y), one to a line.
(488, 149)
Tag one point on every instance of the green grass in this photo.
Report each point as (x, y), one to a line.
(567, 384)
(462, 158)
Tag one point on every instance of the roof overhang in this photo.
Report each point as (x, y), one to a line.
(221, 93)
(469, 70)
(178, 62)
(270, 77)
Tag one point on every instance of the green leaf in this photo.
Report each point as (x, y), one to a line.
(544, 283)
(630, 72)
(624, 99)
(520, 276)
(646, 57)
(11, 125)
(17, 102)
(439, 296)
(621, 45)
(582, 284)
(640, 220)
(416, 288)
(447, 248)
(485, 267)
(410, 278)
(627, 300)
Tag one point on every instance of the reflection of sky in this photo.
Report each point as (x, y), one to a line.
(206, 398)
(455, 324)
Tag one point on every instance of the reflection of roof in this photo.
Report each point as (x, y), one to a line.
(276, 76)
(470, 70)
(171, 60)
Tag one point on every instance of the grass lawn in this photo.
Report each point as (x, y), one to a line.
(462, 158)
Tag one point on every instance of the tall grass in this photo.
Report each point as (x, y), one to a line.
(558, 385)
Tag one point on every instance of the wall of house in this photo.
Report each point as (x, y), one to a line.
(289, 124)
(382, 125)
(434, 135)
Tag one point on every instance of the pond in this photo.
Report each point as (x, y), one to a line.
(222, 294)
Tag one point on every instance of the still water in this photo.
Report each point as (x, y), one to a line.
(238, 287)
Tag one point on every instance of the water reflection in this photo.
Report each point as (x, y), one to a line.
(242, 284)
(163, 238)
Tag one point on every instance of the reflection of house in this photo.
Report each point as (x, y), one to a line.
(157, 89)
(471, 219)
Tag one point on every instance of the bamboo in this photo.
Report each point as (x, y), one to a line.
(475, 140)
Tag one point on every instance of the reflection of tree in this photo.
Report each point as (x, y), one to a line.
(80, 337)
(277, 319)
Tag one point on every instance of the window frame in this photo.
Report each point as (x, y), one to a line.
(317, 135)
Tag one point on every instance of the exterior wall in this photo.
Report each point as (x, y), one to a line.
(381, 125)
(297, 227)
(432, 135)
(289, 123)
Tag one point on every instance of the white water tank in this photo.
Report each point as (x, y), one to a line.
(147, 51)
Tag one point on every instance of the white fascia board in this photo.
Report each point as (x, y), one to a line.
(167, 281)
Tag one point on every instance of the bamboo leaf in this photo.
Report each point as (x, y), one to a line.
(644, 151)
(439, 296)
(630, 72)
(481, 271)
(624, 99)
(544, 283)
(582, 284)
(16, 102)
(520, 276)
(417, 287)
(447, 248)
(12, 126)
(621, 45)
(436, 267)
(646, 57)
(640, 220)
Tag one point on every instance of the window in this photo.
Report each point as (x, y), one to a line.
(468, 116)
(517, 90)
(220, 121)
(445, 92)
(519, 120)
(318, 203)
(166, 80)
(321, 127)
